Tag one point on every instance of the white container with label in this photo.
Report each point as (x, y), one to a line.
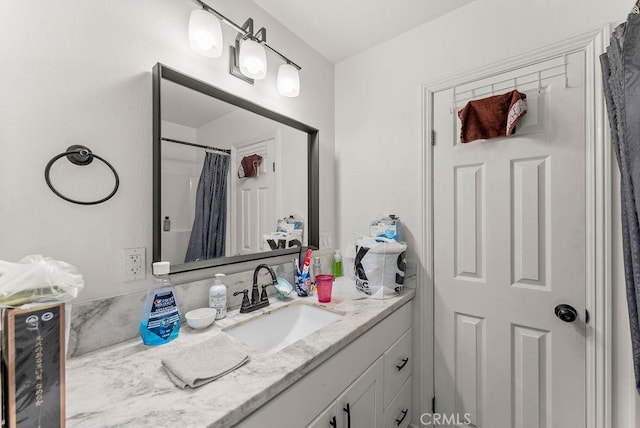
(218, 296)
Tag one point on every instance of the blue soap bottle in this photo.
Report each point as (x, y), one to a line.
(160, 322)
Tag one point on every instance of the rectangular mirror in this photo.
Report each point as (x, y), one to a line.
(232, 181)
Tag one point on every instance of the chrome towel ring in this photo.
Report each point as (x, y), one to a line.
(82, 156)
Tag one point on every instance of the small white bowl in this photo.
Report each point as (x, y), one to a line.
(200, 318)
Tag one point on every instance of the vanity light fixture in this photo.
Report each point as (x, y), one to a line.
(247, 59)
(252, 59)
(288, 80)
(205, 34)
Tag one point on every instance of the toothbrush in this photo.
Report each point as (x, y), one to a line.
(304, 276)
(307, 262)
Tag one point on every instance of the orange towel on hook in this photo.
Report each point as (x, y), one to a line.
(492, 117)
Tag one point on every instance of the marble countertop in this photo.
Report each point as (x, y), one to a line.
(125, 384)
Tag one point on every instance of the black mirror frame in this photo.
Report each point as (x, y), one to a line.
(161, 72)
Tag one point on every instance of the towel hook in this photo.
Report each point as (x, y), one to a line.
(82, 156)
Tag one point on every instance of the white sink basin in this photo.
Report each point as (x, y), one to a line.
(277, 329)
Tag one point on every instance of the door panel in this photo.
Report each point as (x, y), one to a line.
(529, 215)
(469, 227)
(509, 240)
(255, 207)
(531, 362)
(469, 375)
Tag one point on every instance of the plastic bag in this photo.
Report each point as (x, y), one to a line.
(386, 226)
(380, 265)
(37, 279)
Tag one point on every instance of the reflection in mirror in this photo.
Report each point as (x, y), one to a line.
(233, 184)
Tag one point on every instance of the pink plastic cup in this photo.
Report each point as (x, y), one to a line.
(324, 283)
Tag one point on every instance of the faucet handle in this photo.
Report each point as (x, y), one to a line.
(263, 295)
(245, 298)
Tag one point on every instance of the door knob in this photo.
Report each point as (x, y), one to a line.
(566, 313)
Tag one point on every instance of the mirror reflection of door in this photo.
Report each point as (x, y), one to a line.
(255, 207)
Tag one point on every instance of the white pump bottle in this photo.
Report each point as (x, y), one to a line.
(218, 296)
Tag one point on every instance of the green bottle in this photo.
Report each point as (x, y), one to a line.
(337, 264)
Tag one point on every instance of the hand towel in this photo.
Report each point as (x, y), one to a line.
(249, 166)
(492, 117)
(205, 362)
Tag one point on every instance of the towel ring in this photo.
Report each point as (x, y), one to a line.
(82, 156)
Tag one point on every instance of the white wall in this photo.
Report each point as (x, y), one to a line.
(379, 124)
(293, 175)
(80, 72)
(181, 167)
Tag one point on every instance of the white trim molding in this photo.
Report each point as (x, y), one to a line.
(598, 221)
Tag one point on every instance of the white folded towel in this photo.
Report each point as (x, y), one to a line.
(205, 362)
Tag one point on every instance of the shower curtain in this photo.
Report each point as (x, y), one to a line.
(621, 75)
(207, 239)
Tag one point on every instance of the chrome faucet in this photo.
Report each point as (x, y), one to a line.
(258, 300)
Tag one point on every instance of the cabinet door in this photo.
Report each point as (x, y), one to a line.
(360, 406)
(327, 419)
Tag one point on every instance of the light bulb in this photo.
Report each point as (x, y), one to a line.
(253, 66)
(204, 40)
(252, 59)
(205, 33)
(288, 80)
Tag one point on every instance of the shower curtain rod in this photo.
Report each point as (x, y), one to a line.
(226, 151)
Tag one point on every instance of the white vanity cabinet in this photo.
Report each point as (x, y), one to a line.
(398, 370)
(386, 384)
(360, 406)
(371, 377)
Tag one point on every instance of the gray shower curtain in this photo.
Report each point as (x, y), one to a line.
(207, 239)
(621, 75)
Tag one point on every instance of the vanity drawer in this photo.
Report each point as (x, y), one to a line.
(398, 414)
(398, 365)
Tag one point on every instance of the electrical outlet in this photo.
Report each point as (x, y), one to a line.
(133, 264)
(325, 240)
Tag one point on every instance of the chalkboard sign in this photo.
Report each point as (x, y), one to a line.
(34, 363)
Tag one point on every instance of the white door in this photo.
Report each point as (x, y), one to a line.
(509, 246)
(255, 211)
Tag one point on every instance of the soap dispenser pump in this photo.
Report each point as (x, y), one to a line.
(218, 296)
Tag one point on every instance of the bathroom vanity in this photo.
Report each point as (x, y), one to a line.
(367, 384)
(361, 362)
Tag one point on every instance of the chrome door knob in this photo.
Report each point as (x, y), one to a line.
(566, 313)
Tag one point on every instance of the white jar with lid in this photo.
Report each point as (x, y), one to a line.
(218, 296)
